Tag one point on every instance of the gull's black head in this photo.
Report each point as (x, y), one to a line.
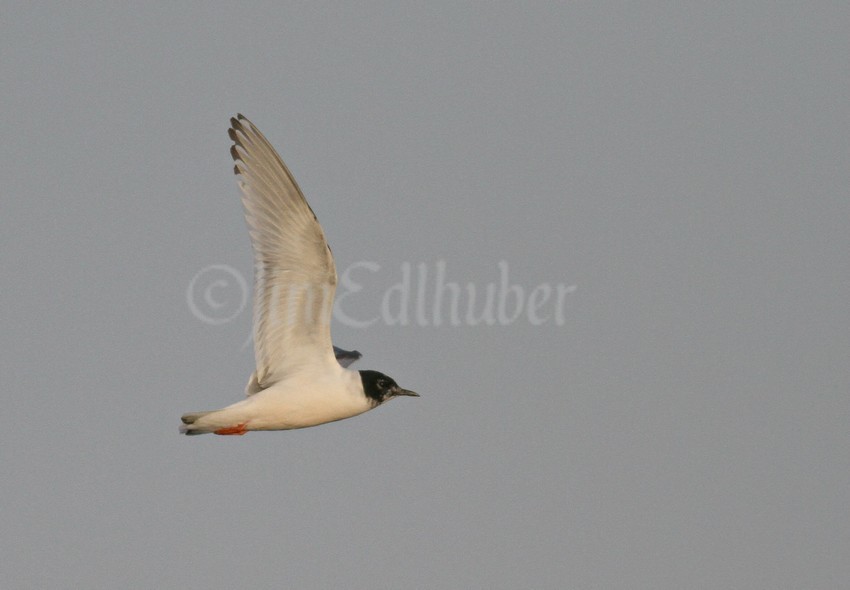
(380, 388)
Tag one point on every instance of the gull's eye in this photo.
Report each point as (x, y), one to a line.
(382, 383)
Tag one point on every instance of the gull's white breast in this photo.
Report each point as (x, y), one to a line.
(304, 399)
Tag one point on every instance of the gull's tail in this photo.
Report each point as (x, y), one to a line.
(230, 420)
(189, 427)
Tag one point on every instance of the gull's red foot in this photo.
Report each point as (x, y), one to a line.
(239, 429)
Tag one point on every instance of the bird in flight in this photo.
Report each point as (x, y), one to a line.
(301, 379)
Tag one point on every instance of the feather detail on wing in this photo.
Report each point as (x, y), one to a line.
(294, 273)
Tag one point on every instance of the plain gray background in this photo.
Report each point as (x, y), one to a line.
(685, 165)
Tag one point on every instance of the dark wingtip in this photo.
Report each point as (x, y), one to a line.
(234, 153)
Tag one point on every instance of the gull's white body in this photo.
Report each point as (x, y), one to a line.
(308, 398)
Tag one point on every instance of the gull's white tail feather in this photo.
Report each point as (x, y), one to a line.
(229, 420)
(191, 425)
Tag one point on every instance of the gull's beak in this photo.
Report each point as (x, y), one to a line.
(401, 391)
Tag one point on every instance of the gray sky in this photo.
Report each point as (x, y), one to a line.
(683, 167)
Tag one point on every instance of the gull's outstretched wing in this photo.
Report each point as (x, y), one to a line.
(294, 272)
